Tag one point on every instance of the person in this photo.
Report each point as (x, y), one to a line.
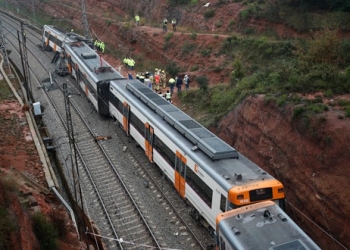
(137, 19)
(165, 23)
(179, 83)
(172, 84)
(173, 23)
(125, 61)
(163, 78)
(157, 80)
(168, 96)
(102, 46)
(148, 82)
(187, 82)
(131, 63)
(160, 93)
(142, 78)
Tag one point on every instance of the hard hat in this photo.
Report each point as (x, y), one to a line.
(163, 71)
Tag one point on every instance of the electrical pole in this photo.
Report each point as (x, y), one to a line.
(74, 158)
(85, 21)
(25, 64)
(33, 10)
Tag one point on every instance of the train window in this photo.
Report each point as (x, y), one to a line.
(116, 102)
(164, 151)
(260, 194)
(199, 186)
(137, 123)
(223, 203)
(88, 84)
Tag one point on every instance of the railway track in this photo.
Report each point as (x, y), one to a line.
(116, 179)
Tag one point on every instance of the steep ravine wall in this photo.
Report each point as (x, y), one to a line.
(314, 169)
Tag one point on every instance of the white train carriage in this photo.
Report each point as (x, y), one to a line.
(90, 70)
(54, 37)
(206, 171)
(262, 225)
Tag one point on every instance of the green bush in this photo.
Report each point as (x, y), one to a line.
(193, 35)
(194, 2)
(298, 111)
(206, 52)
(168, 36)
(172, 68)
(202, 82)
(7, 226)
(218, 24)
(45, 232)
(209, 13)
(187, 48)
(194, 68)
(347, 111)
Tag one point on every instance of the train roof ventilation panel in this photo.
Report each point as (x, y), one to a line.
(88, 55)
(205, 140)
(295, 244)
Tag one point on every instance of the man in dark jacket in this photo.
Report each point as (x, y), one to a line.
(179, 83)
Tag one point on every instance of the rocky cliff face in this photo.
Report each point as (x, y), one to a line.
(309, 157)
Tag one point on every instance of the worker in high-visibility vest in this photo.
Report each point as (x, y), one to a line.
(137, 19)
(172, 84)
(168, 95)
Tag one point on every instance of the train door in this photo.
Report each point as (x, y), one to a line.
(180, 167)
(126, 114)
(149, 139)
(55, 45)
(103, 98)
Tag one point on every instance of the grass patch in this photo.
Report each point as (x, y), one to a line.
(45, 232)
(7, 226)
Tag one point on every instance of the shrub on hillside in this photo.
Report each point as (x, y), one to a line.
(202, 82)
(6, 227)
(209, 14)
(45, 232)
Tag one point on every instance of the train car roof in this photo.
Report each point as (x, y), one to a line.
(69, 36)
(263, 226)
(227, 172)
(97, 68)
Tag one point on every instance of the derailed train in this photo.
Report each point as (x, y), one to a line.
(208, 173)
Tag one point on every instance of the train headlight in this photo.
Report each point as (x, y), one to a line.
(240, 197)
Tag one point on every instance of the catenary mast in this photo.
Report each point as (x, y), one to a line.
(85, 22)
